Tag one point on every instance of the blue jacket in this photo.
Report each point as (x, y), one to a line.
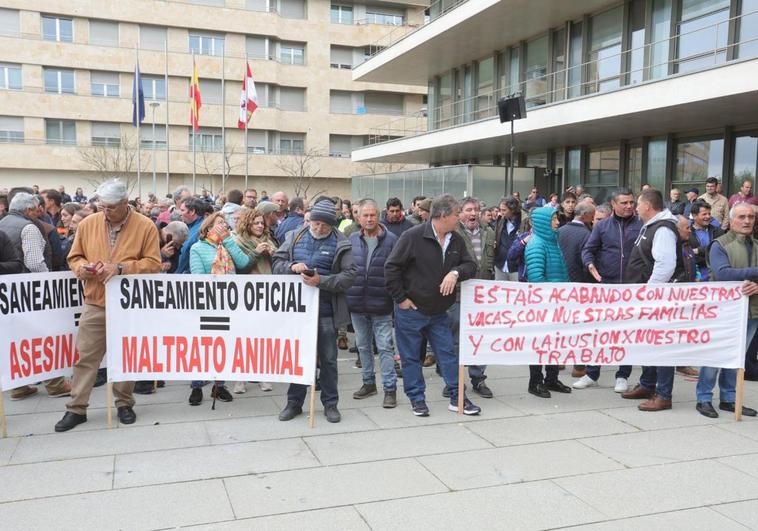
(369, 292)
(291, 222)
(609, 246)
(544, 260)
(203, 253)
(184, 254)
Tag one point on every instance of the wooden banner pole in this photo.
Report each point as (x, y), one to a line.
(740, 394)
(312, 407)
(461, 387)
(109, 403)
(3, 419)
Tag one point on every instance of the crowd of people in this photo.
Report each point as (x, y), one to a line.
(389, 275)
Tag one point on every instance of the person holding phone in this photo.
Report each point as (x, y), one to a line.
(323, 257)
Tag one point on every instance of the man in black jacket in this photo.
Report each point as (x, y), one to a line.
(572, 237)
(421, 273)
(703, 233)
(10, 261)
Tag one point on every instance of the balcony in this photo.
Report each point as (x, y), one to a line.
(711, 88)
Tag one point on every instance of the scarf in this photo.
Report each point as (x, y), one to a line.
(222, 262)
(262, 264)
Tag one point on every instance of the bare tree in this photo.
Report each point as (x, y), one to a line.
(301, 169)
(114, 159)
(213, 163)
(374, 168)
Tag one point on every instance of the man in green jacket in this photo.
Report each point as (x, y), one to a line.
(480, 244)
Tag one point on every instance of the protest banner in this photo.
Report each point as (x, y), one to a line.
(200, 327)
(39, 317)
(508, 323)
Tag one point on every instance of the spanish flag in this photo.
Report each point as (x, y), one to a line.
(195, 101)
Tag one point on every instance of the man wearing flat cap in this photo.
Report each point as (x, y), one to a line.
(323, 257)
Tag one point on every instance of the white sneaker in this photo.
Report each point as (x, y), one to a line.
(584, 382)
(239, 388)
(265, 386)
(622, 385)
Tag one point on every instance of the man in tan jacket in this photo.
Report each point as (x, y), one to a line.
(114, 241)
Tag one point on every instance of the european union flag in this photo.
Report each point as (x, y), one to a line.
(138, 99)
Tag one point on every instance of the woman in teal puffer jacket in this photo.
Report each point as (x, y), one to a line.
(545, 263)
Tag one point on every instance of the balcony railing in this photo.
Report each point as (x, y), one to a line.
(557, 87)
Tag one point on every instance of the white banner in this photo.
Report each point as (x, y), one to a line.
(39, 318)
(511, 323)
(202, 327)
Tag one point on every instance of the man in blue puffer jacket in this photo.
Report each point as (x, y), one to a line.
(545, 263)
(370, 303)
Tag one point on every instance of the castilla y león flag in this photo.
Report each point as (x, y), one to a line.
(248, 99)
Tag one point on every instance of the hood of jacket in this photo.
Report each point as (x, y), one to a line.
(542, 223)
(662, 215)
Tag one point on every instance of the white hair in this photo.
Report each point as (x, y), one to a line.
(112, 192)
(741, 204)
(22, 202)
(177, 229)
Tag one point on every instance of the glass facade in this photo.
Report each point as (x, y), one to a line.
(536, 72)
(703, 34)
(602, 173)
(605, 50)
(696, 160)
(745, 160)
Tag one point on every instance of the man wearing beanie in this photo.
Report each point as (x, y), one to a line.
(326, 255)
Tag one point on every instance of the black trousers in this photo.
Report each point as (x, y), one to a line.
(535, 374)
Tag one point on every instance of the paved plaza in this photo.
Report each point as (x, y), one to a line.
(588, 460)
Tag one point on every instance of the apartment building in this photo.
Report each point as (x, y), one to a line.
(67, 79)
(663, 92)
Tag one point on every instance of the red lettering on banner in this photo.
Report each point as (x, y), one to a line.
(298, 367)
(15, 365)
(168, 342)
(129, 354)
(219, 354)
(194, 358)
(181, 354)
(478, 296)
(287, 358)
(475, 344)
(41, 355)
(237, 361)
(272, 355)
(251, 356)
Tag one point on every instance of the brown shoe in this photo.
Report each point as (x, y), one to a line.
(429, 360)
(577, 372)
(23, 392)
(656, 403)
(688, 371)
(342, 343)
(63, 390)
(638, 393)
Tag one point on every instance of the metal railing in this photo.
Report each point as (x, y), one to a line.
(398, 33)
(557, 87)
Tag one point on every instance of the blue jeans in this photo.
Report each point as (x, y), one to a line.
(475, 372)
(727, 379)
(198, 384)
(409, 326)
(375, 327)
(624, 371)
(326, 350)
(658, 379)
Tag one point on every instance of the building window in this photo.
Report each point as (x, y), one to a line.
(634, 168)
(256, 47)
(10, 76)
(341, 14)
(292, 54)
(207, 139)
(11, 130)
(661, 30)
(256, 141)
(103, 33)
(152, 37)
(575, 60)
(210, 90)
(602, 173)
(637, 42)
(384, 19)
(485, 101)
(206, 44)
(341, 57)
(291, 143)
(747, 29)
(104, 84)
(290, 98)
(148, 141)
(605, 50)
(573, 168)
(154, 87)
(106, 134)
(60, 132)
(292, 8)
(9, 22)
(57, 29)
(256, 5)
(745, 160)
(59, 81)
(698, 160)
(536, 72)
(558, 77)
(703, 34)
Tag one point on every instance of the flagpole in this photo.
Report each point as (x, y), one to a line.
(223, 119)
(165, 82)
(192, 127)
(139, 124)
(247, 154)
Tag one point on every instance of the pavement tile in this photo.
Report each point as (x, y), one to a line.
(543, 428)
(639, 491)
(39, 480)
(748, 427)
(391, 444)
(164, 506)
(329, 486)
(209, 462)
(744, 463)
(527, 506)
(701, 519)
(746, 512)
(182, 412)
(668, 446)
(108, 442)
(7, 446)
(344, 518)
(516, 464)
(678, 417)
